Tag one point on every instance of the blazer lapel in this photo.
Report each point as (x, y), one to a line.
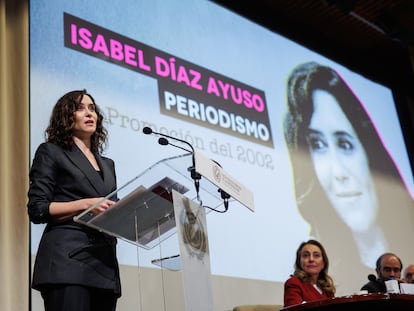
(80, 160)
(107, 173)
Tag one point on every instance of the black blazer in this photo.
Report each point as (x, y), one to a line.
(70, 253)
(375, 286)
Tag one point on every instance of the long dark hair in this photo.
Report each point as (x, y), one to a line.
(60, 129)
(325, 281)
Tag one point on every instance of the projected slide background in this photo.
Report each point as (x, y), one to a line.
(191, 54)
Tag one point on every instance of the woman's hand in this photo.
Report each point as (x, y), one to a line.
(62, 211)
(102, 205)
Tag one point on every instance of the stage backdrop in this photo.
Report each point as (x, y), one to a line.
(195, 71)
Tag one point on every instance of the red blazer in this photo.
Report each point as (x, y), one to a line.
(297, 292)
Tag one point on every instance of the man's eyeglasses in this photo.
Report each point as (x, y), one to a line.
(389, 269)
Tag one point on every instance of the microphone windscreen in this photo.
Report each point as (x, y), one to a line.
(147, 130)
(372, 277)
(163, 141)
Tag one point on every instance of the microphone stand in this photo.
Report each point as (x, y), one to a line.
(194, 174)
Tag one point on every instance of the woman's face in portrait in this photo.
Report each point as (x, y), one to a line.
(340, 163)
(85, 118)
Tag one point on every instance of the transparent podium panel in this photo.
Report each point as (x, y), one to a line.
(171, 262)
(144, 212)
(144, 215)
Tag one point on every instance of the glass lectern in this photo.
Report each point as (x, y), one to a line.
(144, 216)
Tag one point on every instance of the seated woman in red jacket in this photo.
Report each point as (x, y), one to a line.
(311, 280)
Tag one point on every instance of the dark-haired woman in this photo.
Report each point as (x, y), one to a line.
(76, 267)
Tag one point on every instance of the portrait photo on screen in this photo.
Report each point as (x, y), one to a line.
(342, 169)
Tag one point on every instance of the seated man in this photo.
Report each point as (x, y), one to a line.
(409, 274)
(388, 267)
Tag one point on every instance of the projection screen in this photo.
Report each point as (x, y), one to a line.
(198, 72)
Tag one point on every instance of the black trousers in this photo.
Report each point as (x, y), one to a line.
(78, 298)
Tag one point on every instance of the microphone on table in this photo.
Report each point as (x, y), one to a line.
(163, 141)
(372, 277)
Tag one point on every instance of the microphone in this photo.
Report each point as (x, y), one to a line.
(194, 175)
(147, 130)
(224, 195)
(164, 141)
(372, 277)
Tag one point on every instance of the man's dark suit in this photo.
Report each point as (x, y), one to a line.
(70, 253)
(375, 286)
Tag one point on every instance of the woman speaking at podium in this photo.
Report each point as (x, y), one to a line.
(76, 267)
